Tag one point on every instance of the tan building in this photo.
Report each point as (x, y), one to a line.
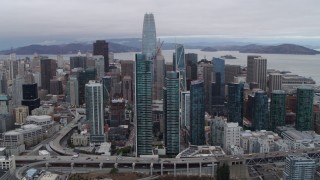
(20, 114)
(81, 139)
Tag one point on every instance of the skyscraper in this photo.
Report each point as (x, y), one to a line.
(107, 84)
(257, 71)
(159, 74)
(299, 167)
(127, 92)
(100, 47)
(180, 66)
(143, 108)
(73, 91)
(149, 41)
(197, 112)
(304, 113)
(235, 103)
(277, 109)
(185, 109)
(30, 96)
(218, 87)
(95, 111)
(171, 110)
(275, 82)
(260, 113)
(48, 69)
(231, 71)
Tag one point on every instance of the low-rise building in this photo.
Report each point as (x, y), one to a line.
(20, 114)
(258, 141)
(81, 139)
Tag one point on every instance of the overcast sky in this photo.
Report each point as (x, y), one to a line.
(50, 21)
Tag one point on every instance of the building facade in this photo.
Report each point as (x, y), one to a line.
(171, 110)
(304, 119)
(277, 109)
(197, 112)
(299, 167)
(235, 103)
(95, 111)
(143, 108)
(257, 71)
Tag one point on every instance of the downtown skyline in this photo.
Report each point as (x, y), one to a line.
(49, 22)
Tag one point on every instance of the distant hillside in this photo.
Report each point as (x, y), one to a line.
(71, 48)
(261, 49)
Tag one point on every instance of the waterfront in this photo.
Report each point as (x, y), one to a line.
(304, 65)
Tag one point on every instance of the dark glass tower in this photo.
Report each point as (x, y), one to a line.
(143, 108)
(197, 113)
(171, 110)
(304, 109)
(277, 109)
(48, 69)
(191, 68)
(217, 88)
(260, 114)
(100, 47)
(235, 103)
(30, 96)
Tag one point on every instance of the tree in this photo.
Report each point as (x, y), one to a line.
(223, 172)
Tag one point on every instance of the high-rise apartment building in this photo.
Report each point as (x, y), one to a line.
(143, 105)
(277, 109)
(100, 47)
(197, 112)
(20, 114)
(304, 119)
(260, 113)
(73, 91)
(299, 167)
(149, 41)
(257, 71)
(95, 111)
(275, 82)
(185, 109)
(48, 69)
(235, 103)
(171, 111)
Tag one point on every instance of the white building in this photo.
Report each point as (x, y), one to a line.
(45, 122)
(260, 141)
(8, 163)
(225, 134)
(299, 139)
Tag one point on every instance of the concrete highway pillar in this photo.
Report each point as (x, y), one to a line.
(47, 164)
(115, 165)
(72, 164)
(212, 170)
(133, 166)
(151, 169)
(101, 165)
(187, 169)
(174, 170)
(161, 169)
(200, 166)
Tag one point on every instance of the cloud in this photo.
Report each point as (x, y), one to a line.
(82, 19)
